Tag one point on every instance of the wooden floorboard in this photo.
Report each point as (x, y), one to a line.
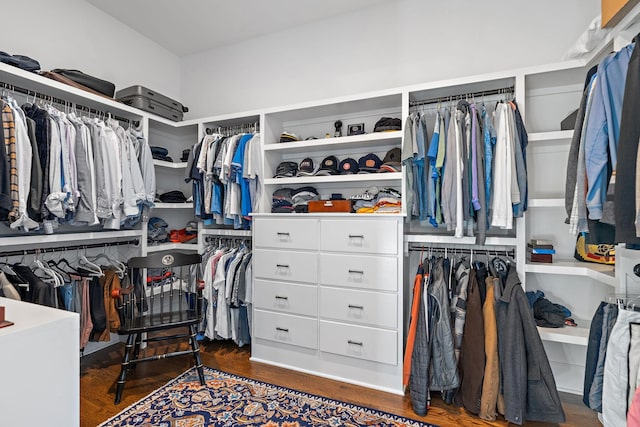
(100, 370)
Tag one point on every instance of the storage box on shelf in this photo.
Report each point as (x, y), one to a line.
(317, 120)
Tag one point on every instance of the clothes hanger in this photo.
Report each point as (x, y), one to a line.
(90, 267)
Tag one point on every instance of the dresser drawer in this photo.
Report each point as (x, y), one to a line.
(285, 328)
(290, 233)
(286, 297)
(371, 308)
(285, 265)
(359, 271)
(362, 342)
(369, 236)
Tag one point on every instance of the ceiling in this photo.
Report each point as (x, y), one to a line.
(188, 26)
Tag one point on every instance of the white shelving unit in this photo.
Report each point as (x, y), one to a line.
(575, 335)
(173, 246)
(339, 179)
(161, 205)
(317, 119)
(601, 273)
(170, 165)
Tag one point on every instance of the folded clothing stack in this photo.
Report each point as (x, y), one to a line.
(157, 231)
(375, 200)
(20, 61)
(160, 153)
(286, 200)
(173, 197)
(184, 235)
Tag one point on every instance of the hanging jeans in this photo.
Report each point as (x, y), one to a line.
(610, 314)
(616, 374)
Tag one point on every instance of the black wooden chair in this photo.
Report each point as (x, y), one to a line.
(162, 291)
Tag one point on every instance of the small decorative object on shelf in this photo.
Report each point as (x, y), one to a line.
(3, 323)
(356, 129)
(338, 126)
(540, 250)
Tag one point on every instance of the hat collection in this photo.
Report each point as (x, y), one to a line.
(330, 165)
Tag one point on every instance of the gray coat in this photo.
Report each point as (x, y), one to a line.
(528, 385)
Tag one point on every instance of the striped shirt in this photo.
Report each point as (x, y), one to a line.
(8, 126)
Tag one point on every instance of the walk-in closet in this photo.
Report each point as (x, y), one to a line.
(342, 212)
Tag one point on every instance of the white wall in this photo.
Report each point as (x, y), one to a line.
(388, 45)
(75, 34)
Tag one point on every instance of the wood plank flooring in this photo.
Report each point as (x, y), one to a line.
(100, 370)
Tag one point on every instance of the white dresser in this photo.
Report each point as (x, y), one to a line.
(328, 296)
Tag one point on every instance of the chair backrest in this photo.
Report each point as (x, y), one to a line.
(161, 284)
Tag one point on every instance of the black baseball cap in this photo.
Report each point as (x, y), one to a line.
(349, 166)
(369, 163)
(306, 168)
(286, 170)
(391, 161)
(329, 166)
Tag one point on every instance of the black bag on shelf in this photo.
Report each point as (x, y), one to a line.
(101, 86)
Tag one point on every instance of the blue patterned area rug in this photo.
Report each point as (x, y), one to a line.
(231, 400)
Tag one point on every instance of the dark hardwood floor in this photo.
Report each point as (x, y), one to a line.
(100, 370)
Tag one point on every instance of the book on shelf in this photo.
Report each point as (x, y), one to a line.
(541, 251)
(544, 258)
(530, 245)
(540, 242)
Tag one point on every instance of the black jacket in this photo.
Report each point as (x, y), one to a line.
(528, 385)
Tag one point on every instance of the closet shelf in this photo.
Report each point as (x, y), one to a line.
(173, 206)
(329, 214)
(546, 203)
(170, 165)
(343, 179)
(369, 140)
(551, 136)
(51, 239)
(37, 83)
(450, 240)
(599, 272)
(225, 232)
(172, 246)
(578, 335)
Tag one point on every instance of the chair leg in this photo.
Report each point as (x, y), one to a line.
(125, 367)
(196, 353)
(136, 350)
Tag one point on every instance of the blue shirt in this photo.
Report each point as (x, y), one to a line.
(603, 127)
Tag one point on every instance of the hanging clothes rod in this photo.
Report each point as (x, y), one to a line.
(506, 252)
(43, 251)
(504, 90)
(209, 239)
(46, 97)
(229, 130)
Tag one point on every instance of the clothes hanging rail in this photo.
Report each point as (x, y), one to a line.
(506, 252)
(46, 97)
(41, 251)
(209, 239)
(480, 94)
(235, 129)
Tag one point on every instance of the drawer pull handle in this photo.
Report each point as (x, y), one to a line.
(356, 271)
(282, 329)
(359, 307)
(281, 297)
(282, 265)
(356, 236)
(355, 342)
(279, 233)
